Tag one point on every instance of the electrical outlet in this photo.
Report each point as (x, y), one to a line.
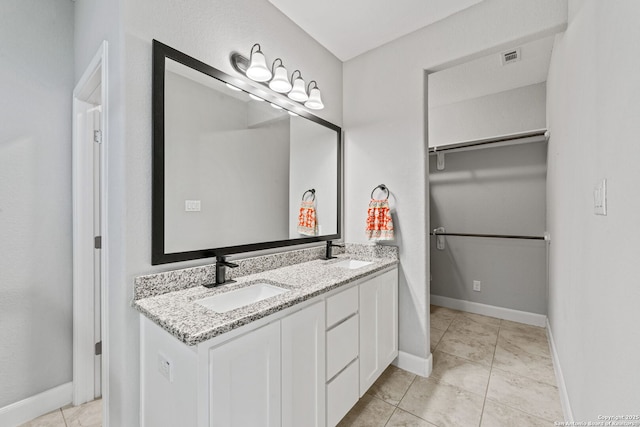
(476, 285)
(165, 367)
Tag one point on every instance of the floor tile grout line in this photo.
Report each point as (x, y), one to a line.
(486, 390)
(64, 418)
(520, 410)
(406, 391)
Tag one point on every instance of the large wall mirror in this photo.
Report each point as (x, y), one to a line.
(233, 163)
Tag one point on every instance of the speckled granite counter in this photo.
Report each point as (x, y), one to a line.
(178, 313)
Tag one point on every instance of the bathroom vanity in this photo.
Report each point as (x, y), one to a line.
(297, 339)
(301, 357)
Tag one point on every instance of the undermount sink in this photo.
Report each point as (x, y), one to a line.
(352, 264)
(231, 300)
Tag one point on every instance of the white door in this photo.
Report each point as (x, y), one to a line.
(244, 380)
(303, 367)
(97, 232)
(87, 268)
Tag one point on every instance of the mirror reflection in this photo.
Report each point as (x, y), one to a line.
(240, 170)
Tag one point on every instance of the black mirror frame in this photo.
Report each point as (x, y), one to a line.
(158, 255)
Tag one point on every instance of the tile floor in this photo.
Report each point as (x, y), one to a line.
(486, 372)
(87, 415)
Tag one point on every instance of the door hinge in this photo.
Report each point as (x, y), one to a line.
(97, 242)
(97, 136)
(99, 348)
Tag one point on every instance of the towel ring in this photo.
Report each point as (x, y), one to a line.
(381, 187)
(313, 194)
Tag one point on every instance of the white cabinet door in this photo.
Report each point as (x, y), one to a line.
(378, 326)
(244, 380)
(303, 368)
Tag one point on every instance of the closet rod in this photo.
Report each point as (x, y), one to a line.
(535, 136)
(491, 236)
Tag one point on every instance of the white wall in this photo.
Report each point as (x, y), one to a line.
(593, 109)
(36, 81)
(385, 135)
(502, 113)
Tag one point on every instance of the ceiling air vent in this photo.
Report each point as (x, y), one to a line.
(510, 56)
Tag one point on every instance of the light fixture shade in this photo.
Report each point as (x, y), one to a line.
(258, 70)
(280, 82)
(315, 101)
(298, 93)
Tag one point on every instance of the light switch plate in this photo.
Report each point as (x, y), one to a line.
(192, 205)
(600, 198)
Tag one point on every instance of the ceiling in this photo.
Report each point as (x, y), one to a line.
(348, 28)
(487, 75)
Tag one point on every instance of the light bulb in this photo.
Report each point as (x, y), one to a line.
(280, 82)
(258, 70)
(298, 92)
(314, 102)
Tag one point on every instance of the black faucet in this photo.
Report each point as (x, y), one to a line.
(221, 278)
(330, 245)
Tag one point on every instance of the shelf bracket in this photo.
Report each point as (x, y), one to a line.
(439, 239)
(440, 160)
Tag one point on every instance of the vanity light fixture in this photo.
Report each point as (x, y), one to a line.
(258, 70)
(298, 93)
(276, 78)
(314, 102)
(280, 82)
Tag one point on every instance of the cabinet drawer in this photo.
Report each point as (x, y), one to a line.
(342, 345)
(342, 305)
(342, 394)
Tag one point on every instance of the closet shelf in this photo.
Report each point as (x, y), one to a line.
(491, 236)
(537, 135)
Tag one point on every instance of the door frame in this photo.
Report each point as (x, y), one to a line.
(83, 305)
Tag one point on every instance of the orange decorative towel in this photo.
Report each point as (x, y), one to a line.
(379, 222)
(307, 223)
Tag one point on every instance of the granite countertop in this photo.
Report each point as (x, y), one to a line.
(179, 314)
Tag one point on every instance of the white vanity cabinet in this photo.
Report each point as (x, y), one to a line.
(271, 376)
(378, 326)
(244, 379)
(304, 366)
(342, 354)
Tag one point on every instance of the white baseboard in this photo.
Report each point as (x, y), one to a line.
(562, 388)
(414, 364)
(491, 310)
(34, 406)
